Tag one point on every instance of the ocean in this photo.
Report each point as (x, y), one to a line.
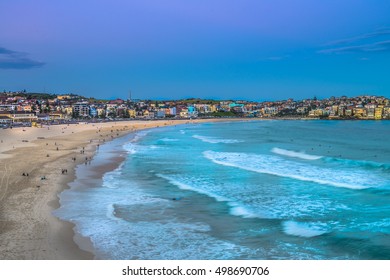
(274, 189)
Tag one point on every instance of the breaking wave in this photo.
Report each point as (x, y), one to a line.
(214, 140)
(294, 154)
(303, 229)
(273, 165)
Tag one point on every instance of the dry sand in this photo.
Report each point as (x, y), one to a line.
(28, 230)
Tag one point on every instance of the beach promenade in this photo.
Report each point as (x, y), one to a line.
(36, 164)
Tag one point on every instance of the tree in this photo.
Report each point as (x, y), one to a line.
(102, 114)
(112, 114)
(75, 114)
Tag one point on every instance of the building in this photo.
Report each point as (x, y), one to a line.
(183, 113)
(18, 116)
(192, 112)
(160, 113)
(101, 112)
(67, 110)
(81, 109)
(378, 114)
(56, 115)
(5, 121)
(5, 114)
(64, 97)
(238, 108)
(386, 112)
(132, 113)
(360, 112)
(93, 112)
(172, 111)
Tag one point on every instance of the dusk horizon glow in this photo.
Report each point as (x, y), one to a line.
(250, 50)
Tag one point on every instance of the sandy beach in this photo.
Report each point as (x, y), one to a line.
(32, 164)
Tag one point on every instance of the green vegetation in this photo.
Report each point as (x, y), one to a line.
(220, 114)
(39, 95)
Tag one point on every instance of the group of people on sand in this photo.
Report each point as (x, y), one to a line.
(26, 174)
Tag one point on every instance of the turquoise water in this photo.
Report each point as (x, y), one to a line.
(247, 190)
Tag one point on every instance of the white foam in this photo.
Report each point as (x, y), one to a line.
(116, 238)
(184, 186)
(359, 163)
(277, 166)
(169, 140)
(131, 148)
(381, 225)
(214, 140)
(303, 229)
(109, 178)
(240, 211)
(294, 154)
(139, 135)
(236, 209)
(111, 212)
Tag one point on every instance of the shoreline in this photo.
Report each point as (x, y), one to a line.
(90, 175)
(28, 229)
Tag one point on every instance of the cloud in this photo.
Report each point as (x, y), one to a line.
(383, 46)
(10, 59)
(275, 58)
(378, 33)
(366, 43)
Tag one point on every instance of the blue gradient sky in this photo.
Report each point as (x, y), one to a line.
(247, 49)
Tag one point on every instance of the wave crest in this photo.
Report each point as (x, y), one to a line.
(359, 163)
(236, 209)
(303, 229)
(214, 140)
(273, 165)
(294, 154)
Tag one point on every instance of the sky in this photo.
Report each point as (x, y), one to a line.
(223, 49)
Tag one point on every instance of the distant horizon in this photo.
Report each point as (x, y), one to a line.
(253, 50)
(202, 98)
